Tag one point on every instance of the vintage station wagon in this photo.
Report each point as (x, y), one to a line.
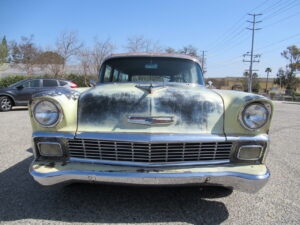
(151, 121)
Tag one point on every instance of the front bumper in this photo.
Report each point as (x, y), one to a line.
(247, 178)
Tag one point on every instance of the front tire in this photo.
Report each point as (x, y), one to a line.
(5, 104)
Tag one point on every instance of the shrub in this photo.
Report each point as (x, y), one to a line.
(6, 81)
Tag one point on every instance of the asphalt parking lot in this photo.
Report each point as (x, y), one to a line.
(23, 201)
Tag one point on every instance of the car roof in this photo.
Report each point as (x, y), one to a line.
(141, 54)
(46, 79)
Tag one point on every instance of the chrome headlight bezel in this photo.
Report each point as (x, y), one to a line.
(268, 109)
(57, 106)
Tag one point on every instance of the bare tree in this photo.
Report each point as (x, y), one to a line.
(51, 61)
(189, 50)
(100, 51)
(141, 44)
(92, 59)
(170, 50)
(86, 62)
(24, 54)
(68, 45)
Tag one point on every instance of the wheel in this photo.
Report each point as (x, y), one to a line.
(5, 103)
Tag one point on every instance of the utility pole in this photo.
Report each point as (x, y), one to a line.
(252, 56)
(203, 61)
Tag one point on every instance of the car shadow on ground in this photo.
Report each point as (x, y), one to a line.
(19, 108)
(23, 198)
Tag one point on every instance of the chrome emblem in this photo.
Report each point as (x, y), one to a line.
(150, 120)
(150, 89)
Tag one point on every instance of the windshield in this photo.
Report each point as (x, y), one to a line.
(17, 84)
(159, 69)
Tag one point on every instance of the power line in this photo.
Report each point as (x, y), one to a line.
(236, 36)
(234, 30)
(282, 20)
(253, 58)
(285, 39)
(282, 9)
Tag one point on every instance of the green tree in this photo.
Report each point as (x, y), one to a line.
(287, 78)
(52, 61)
(24, 54)
(255, 82)
(268, 70)
(3, 51)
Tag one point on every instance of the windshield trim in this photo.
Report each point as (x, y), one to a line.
(201, 80)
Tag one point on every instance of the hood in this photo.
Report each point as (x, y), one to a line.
(5, 88)
(150, 108)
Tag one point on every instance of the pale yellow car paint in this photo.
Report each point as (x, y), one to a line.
(234, 102)
(214, 123)
(69, 107)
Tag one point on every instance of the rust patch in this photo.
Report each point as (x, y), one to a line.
(96, 109)
(190, 108)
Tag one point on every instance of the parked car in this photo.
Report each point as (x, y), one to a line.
(151, 121)
(19, 94)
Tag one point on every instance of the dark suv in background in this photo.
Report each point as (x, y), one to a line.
(19, 94)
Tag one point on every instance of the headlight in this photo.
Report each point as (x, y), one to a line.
(255, 116)
(47, 113)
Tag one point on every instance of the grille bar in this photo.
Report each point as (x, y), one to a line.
(148, 152)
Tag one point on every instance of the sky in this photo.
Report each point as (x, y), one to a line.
(216, 26)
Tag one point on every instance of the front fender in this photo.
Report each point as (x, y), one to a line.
(68, 100)
(234, 102)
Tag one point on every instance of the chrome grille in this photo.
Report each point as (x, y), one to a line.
(148, 152)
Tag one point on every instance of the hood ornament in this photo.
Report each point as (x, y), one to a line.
(150, 89)
(150, 120)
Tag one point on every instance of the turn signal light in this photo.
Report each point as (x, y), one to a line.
(50, 149)
(250, 152)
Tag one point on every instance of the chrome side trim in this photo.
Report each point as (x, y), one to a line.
(244, 182)
(151, 137)
(260, 137)
(125, 163)
(53, 135)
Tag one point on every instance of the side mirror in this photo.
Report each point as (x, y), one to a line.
(20, 87)
(92, 83)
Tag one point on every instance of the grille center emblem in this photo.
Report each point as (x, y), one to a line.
(150, 120)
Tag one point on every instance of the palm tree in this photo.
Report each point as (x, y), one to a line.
(268, 70)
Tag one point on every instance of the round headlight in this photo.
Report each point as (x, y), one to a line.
(46, 113)
(255, 116)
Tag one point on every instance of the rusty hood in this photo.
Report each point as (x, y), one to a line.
(150, 108)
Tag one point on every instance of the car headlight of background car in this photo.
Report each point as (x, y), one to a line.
(47, 113)
(255, 115)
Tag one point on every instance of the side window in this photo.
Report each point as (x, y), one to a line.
(116, 75)
(123, 77)
(107, 73)
(49, 83)
(62, 83)
(32, 84)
